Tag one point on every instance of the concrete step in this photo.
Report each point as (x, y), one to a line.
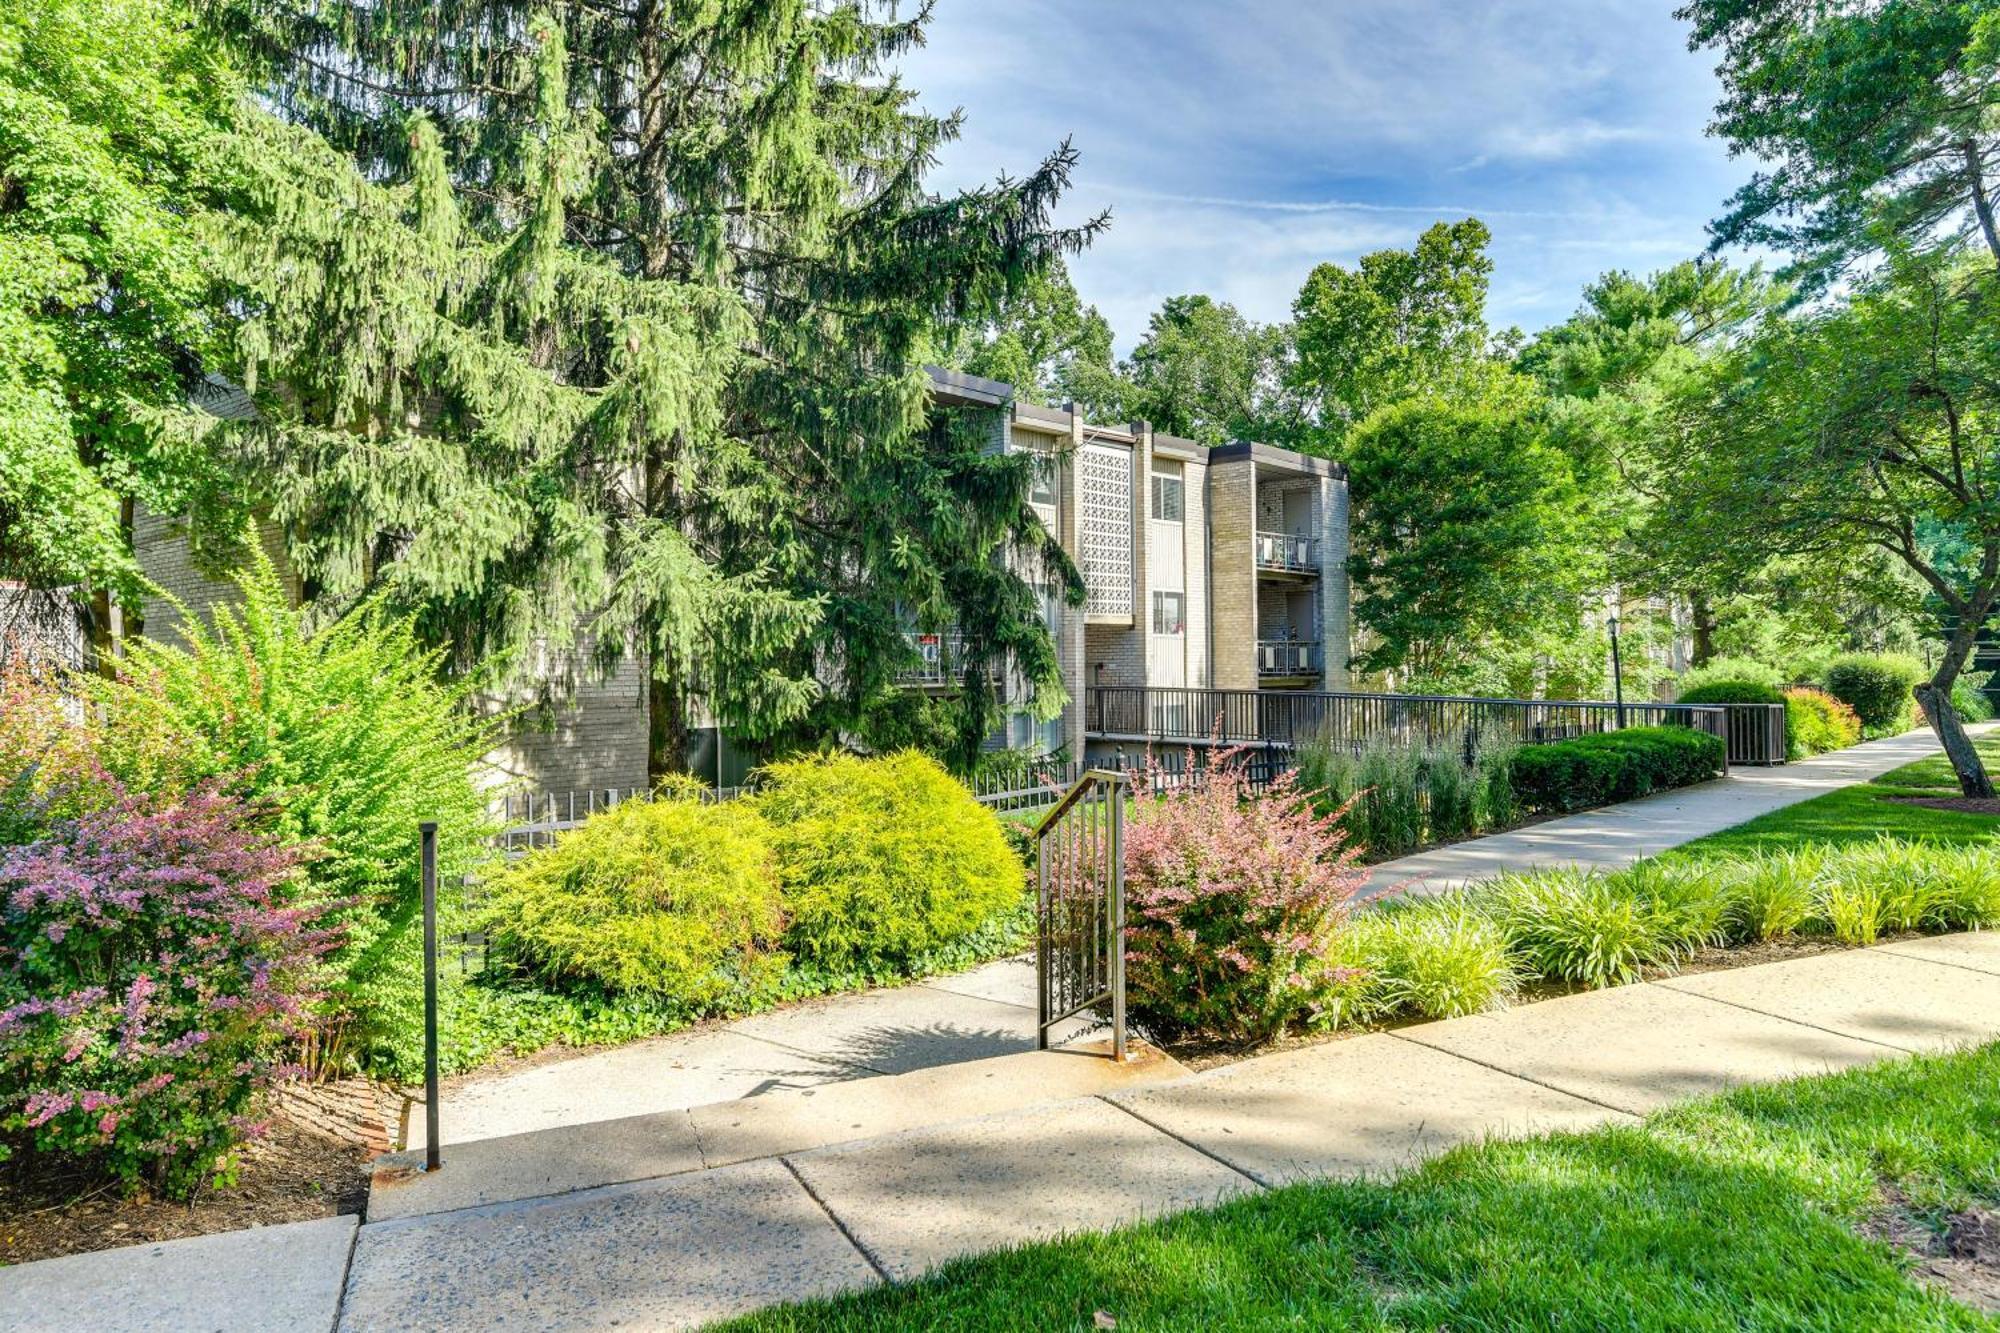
(668, 1143)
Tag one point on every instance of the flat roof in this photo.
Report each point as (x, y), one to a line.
(956, 386)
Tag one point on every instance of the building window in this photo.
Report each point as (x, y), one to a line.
(1169, 613)
(1167, 498)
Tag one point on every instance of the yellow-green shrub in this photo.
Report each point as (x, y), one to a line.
(884, 859)
(670, 898)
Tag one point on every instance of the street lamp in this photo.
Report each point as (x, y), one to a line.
(1617, 672)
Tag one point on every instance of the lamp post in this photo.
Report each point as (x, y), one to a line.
(1617, 672)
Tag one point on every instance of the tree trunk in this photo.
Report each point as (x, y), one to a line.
(1701, 621)
(1935, 699)
(667, 728)
(1958, 747)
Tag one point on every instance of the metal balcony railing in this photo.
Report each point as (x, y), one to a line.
(1288, 657)
(1287, 553)
(943, 660)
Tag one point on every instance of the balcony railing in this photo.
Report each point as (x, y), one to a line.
(1288, 657)
(1287, 553)
(943, 661)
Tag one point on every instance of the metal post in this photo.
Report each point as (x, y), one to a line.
(1041, 940)
(428, 834)
(1116, 795)
(1617, 674)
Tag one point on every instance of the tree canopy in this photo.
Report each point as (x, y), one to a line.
(604, 333)
(1876, 120)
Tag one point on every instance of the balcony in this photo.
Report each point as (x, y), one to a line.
(943, 662)
(1289, 657)
(1284, 553)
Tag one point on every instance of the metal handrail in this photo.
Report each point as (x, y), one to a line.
(1080, 906)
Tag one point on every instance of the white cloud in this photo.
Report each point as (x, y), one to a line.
(1240, 144)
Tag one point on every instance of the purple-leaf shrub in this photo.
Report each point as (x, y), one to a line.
(152, 976)
(1232, 902)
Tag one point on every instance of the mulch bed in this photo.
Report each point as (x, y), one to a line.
(1970, 805)
(313, 1163)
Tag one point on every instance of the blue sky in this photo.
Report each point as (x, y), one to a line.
(1239, 144)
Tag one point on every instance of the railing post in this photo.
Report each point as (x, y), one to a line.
(1116, 795)
(427, 842)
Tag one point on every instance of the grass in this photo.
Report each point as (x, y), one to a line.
(1862, 813)
(1737, 1213)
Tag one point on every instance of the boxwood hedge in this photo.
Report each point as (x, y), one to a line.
(1613, 766)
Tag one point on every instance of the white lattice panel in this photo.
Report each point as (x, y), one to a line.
(1105, 523)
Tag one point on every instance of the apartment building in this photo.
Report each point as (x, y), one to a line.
(1206, 569)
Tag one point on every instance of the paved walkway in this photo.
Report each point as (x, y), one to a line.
(990, 1011)
(1618, 835)
(703, 1239)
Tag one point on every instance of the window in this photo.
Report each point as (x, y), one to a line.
(1167, 505)
(1170, 612)
(1043, 491)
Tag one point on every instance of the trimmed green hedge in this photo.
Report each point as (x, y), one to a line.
(1737, 691)
(1613, 766)
(1877, 686)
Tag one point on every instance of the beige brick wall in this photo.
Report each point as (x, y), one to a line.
(1232, 499)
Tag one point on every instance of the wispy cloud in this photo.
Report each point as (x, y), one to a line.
(1239, 145)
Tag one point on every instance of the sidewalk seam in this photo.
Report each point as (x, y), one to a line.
(838, 1224)
(1514, 1073)
(1666, 983)
(1894, 952)
(1158, 1128)
(788, 1049)
(346, 1277)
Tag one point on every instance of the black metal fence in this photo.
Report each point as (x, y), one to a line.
(1145, 714)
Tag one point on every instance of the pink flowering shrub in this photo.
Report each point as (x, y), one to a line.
(152, 974)
(1233, 899)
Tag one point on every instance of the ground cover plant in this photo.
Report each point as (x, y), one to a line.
(1751, 1210)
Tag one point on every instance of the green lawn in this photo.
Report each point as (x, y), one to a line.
(1741, 1212)
(1864, 812)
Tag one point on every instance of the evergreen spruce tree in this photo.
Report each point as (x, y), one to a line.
(602, 326)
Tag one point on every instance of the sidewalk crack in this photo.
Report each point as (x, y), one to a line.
(839, 1225)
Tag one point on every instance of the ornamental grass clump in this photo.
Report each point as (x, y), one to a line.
(668, 899)
(1429, 958)
(1582, 927)
(1233, 900)
(1772, 894)
(154, 973)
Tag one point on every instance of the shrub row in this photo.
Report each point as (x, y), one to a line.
(1464, 952)
(1613, 766)
(839, 869)
(1390, 798)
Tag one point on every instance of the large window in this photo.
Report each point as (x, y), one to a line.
(1168, 500)
(1169, 613)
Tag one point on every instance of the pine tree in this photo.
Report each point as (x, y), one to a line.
(602, 326)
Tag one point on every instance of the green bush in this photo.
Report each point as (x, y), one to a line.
(1613, 766)
(1816, 722)
(1737, 691)
(1968, 698)
(349, 734)
(883, 860)
(665, 898)
(1877, 686)
(1729, 670)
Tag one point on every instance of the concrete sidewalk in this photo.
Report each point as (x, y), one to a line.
(1618, 835)
(706, 1242)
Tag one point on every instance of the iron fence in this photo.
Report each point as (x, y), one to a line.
(1288, 717)
(1080, 906)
